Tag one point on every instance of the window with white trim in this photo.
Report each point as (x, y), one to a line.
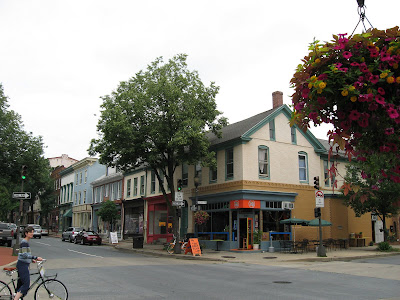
(263, 166)
(303, 166)
(229, 163)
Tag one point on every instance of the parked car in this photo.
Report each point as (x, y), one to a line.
(87, 237)
(37, 230)
(70, 233)
(6, 234)
(45, 231)
(14, 229)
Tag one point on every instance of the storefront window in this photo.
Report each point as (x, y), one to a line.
(271, 220)
(159, 222)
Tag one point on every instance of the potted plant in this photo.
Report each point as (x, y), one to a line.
(257, 239)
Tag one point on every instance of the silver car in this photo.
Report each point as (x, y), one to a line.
(37, 230)
(70, 233)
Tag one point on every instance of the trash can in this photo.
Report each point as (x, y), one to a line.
(138, 241)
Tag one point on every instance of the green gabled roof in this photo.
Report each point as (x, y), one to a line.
(241, 132)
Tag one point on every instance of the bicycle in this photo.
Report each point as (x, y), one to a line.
(171, 246)
(48, 286)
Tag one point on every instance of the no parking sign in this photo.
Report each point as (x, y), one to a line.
(319, 198)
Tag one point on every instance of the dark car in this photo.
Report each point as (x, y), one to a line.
(70, 233)
(87, 237)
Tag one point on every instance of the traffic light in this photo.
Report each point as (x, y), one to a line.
(179, 188)
(24, 172)
(317, 212)
(316, 182)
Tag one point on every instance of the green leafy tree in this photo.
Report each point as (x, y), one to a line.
(18, 148)
(159, 119)
(109, 213)
(368, 188)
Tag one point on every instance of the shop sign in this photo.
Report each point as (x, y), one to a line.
(235, 204)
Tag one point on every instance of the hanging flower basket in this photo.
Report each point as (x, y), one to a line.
(354, 84)
(201, 217)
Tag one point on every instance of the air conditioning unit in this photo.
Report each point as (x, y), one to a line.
(287, 205)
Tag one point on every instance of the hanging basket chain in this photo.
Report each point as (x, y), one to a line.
(361, 12)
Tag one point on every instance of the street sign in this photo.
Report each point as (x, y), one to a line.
(21, 195)
(178, 203)
(319, 198)
(201, 202)
(178, 196)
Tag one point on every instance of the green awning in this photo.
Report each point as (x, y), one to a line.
(68, 213)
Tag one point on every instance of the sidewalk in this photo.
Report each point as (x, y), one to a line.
(259, 256)
(254, 257)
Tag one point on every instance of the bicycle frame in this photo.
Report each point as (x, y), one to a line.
(38, 280)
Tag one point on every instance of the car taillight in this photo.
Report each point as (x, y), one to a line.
(12, 232)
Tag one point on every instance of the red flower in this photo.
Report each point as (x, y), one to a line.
(393, 114)
(373, 106)
(322, 77)
(381, 90)
(374, 79)
(354, 115)
(380, 99)
(389, 131)
(347, 54)
(384, 148)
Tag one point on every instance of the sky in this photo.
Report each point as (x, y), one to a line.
(58, 58)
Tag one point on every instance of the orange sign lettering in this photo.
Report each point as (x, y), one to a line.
(195, 246)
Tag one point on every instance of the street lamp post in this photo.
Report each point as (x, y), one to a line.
(196, 190)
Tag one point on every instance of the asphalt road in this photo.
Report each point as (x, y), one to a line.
(102, 272)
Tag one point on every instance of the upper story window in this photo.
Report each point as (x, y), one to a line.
(303, 171)
(197, 171)
(185, 174)
(142, 185)
(161, 183)
(293, 135)
(213, 172)
(153, 182)
(135, 186)
(263, 165)
(85, 176)
(80, 178)
(272, 130)
(229, 163)
(327, 178)
(77, 179)
(128, 187)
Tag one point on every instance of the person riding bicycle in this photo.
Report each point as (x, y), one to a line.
(25, 258)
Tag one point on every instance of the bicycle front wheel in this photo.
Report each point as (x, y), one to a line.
(5, 291)
(51, 289)
(170, 248)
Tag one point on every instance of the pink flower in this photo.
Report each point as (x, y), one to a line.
(373, 53)
(374, 187)
(354, 64)
(389, 131)
(299, 105)
(383, 173)
(393, 114)
(384, 148)
(375, 79)
(354, 115)
(395, 178)
(347, 54)
(379, 99)
(364, 175)
(322, 76)
(343, 69)
(385, 56)
(381, 91)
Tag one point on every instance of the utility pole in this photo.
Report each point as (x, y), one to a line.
(21, 206)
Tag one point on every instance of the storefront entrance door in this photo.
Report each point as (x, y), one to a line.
(246, 233)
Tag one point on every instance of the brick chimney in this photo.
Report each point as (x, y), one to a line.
(277, 99)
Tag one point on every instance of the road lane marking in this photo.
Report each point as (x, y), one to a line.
(85, 253)
(43, 244)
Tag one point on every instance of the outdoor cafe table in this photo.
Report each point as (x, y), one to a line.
(357, 242)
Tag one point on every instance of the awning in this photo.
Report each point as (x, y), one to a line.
(68, 213)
